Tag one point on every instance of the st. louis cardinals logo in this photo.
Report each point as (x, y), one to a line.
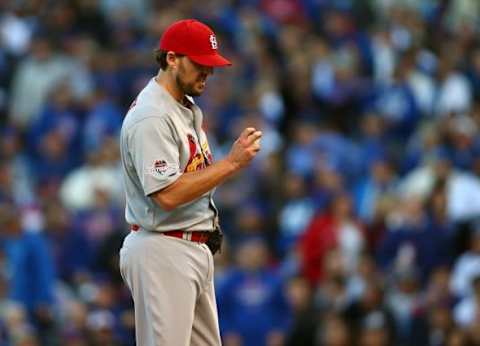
(196, 160)
(213, 42)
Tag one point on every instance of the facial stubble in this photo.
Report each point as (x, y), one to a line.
(187, 89)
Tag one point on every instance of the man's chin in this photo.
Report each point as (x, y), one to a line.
(195, 92)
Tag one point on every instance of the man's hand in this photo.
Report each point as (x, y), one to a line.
(245, 148)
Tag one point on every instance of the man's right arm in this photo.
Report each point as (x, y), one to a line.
(192, 185)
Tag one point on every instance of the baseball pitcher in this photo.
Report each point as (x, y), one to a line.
(169, 177)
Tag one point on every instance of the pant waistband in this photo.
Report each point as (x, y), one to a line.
(195, 236)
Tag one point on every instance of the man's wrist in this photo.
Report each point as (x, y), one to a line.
(232, 166)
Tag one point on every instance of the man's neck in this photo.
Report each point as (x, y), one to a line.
(167, 81)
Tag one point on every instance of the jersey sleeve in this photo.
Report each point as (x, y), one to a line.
(155, 154)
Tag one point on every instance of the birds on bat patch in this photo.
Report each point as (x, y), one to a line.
(196, 160)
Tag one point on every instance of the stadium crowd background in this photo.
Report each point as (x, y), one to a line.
(357, 225)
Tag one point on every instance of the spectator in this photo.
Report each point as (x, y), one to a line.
(96, 179)
(407, 244)
(374, 331)
(28, 258)
(252, 305)
(18, 175)
(462, 188)
(296, 214)
(453, 90)
(305, 318)
(467, 310)
(336, 227)
(466, 268)
(35, 78)
(334, 331)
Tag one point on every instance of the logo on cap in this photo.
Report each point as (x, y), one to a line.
(213, 41)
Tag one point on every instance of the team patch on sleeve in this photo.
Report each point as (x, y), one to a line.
(161, 168)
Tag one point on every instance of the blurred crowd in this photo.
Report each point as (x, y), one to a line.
(357, 224)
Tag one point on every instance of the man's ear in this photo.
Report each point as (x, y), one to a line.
(172, 60)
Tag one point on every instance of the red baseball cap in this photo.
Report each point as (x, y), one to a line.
(195, 40)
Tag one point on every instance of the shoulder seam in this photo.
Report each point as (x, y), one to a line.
(148, 117)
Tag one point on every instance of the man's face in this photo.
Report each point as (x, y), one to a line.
(192, 77)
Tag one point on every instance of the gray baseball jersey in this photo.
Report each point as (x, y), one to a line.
(160, 140)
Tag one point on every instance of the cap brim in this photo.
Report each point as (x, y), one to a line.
(211, 60)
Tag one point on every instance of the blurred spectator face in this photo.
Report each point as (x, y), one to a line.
(29, 340)
(294, 186)
(372, 126)
(334, 264)
(408, 283)
(337, 23)
(109, 152)
(10, 220)
(299, 294)
(41, 49)
(56, 217)
(366, 266)
(250, 220)
(333, 292)
(457, 338)
(438, 203)
(430, 138)
(476, 61)
(54, 145)
(76, 315)
(374, 337)
(105, 62)
(15, 318)
(105, 297)
(381, 171)
(252, 255)
(290, 38)
(335, 332)
(101, 323)
(474, 332)
(476, 288)
(10, 144)
(61, 96)
(461, 131)
(440, 318)
(304, 133)
(61, 17)
(345, 64)
(342, 206)
(372, 297)
(475, 242)
(328, 179)
(445, 67)
(440, 278)
(412, 210)
(438, 290)
(5, 177)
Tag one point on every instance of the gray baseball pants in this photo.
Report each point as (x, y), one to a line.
(171, 281)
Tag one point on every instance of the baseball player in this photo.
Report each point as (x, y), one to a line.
(169, 177)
